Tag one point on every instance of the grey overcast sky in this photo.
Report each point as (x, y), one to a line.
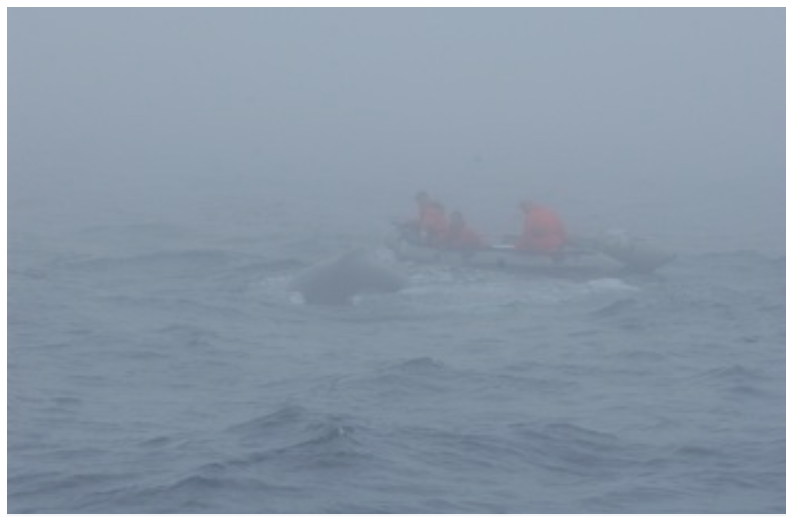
(680, 111)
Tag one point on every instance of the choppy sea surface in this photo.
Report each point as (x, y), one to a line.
(155, 368)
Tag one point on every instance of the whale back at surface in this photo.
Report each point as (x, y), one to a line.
(337, 281)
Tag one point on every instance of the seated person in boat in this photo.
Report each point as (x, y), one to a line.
(430, 227)
(460, 236)
(544, 231)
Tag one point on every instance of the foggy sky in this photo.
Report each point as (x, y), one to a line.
(665, 117)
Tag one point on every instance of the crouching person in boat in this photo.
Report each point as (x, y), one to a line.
(544, 232)
(460, 236)
(430, 227)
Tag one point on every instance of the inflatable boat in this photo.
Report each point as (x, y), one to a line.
(611, 252)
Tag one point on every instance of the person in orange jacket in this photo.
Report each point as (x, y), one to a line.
(544, 231)
(431, 224)
(460, 236)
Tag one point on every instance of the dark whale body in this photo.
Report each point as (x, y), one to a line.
(338, 281)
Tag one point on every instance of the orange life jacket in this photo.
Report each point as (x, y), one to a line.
(464, 237)
(433, 221)
(543, 231)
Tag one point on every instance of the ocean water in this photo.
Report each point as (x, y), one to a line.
(156, 368)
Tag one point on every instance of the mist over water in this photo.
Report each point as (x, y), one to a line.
(170, 171)
(668, 120)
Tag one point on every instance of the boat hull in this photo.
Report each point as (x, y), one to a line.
(583, 256)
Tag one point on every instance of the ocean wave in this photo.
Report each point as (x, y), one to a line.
(573, 450)
(737, 381)
(293, 434)
(169, 378)
(160, 263)
(196, 493)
